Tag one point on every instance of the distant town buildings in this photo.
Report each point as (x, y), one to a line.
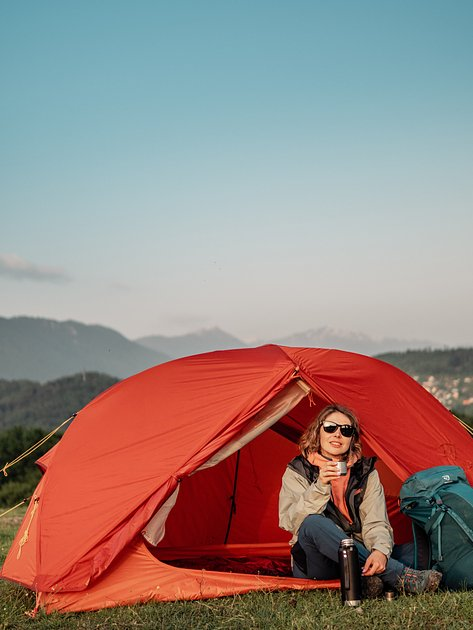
(453, 393)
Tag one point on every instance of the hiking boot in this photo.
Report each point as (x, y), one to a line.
(412, 581)
(371, 586)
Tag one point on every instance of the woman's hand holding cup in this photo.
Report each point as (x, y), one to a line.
(331, 470)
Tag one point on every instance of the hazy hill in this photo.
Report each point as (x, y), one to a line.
(43, 349)
(29, 403)
(193, 343)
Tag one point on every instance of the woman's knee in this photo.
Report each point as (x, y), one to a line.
(315, 523)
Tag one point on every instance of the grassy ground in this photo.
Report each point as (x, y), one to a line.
(268, 611)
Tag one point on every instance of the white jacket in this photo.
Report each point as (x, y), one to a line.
(298, 498)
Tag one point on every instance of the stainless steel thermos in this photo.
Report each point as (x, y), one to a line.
(350, 573)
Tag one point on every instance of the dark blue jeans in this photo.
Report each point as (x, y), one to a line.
(319, 539)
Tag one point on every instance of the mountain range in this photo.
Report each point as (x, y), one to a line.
(43, 349)
(324, 337)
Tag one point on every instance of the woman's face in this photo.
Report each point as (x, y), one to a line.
(334, 445)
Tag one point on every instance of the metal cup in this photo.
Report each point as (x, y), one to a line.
(342, 468)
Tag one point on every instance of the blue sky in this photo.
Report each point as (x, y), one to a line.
(264, 166)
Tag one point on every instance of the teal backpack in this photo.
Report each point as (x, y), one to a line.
(439, 501)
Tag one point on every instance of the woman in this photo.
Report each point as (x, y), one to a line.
(320, 507)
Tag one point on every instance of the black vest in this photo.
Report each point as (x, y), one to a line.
(354, 494)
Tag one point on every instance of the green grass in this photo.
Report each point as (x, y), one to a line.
(268, 611)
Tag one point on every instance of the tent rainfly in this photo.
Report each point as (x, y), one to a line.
(165, 486)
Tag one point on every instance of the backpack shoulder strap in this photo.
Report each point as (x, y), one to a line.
(439, 512)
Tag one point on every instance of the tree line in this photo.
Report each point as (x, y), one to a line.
(23, 477)
(449, 362)
(46, 405)
(30, 410)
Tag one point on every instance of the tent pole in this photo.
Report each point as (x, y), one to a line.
(233, 498)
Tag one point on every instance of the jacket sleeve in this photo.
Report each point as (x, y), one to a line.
(376, 530)
(298, 499)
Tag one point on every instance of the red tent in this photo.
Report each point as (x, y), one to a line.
(176, 471)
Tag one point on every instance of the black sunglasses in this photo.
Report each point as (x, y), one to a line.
(345, 429)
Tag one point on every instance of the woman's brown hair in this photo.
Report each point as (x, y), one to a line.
(310, 439)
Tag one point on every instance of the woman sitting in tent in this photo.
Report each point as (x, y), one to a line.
(319, 506)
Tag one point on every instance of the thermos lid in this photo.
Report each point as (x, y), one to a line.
(347, 542)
